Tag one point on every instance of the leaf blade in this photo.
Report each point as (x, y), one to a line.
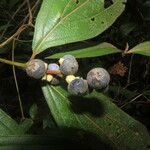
(8, 126)
(110, 127)
(142, 48)
(57, 141)
(94, 51)
(60, 26)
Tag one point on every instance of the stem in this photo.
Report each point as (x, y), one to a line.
(33, 56)
(13, 63)
(16, 81)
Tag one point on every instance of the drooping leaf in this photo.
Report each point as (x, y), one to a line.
(94, 51)
(142, 48)
(67, 21)
(8, 126)
(97, 114)
(37, 142)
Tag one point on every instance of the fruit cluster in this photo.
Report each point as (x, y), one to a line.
(97, 78)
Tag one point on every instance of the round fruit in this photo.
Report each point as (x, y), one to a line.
(36, 68)
(69, 66)
(98, 78)
(78, 87)
(53, 66)
(70, 57)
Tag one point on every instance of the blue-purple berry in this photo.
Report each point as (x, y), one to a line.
(98, 78)
(69, 66)
(69, 57)
(36, 68)
(78, 87)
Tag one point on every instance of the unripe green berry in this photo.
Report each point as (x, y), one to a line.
(98, 78)
(78, 87)
(36, 68)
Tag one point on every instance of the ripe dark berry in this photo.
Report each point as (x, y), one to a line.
(78, 87)
(69, 66)
(98, 78)
(36, 68)
(69, 57)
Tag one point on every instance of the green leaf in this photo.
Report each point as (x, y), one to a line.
(142, 48)
(96, 113)
(33, 111)
(25, 125)
(8, 126)
(38, 142)
(94, 51)
(48, 122)
(67, 21)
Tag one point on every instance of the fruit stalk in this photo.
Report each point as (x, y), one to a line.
(17, 64)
